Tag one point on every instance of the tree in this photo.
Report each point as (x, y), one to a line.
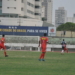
(69, 26)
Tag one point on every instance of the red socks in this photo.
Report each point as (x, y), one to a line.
(42, 56)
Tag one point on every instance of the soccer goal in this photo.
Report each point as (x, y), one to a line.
(21, 42)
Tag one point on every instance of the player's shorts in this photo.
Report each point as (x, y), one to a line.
(62, 47)
(2, 46)
(43, 49)
(65, 48)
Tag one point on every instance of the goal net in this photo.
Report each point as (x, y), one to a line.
(21, 42)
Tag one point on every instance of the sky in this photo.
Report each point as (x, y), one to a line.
(69, 6)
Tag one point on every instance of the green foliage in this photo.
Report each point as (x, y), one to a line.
(26, 63)
(69, 26)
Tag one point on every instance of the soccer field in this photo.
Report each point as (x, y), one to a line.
(26, 63)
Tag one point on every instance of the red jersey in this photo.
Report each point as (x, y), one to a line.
(2, 41)
(43, 41)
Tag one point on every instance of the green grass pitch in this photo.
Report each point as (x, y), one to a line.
(26, 63)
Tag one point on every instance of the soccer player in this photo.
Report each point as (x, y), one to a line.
(63, 43)
(43, 42)
(2, 46)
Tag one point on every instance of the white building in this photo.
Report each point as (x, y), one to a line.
(48, 4)
(24, 12)
(22, 8)
(20, 22)
(71, 19)
(21, 12)
(60, 16)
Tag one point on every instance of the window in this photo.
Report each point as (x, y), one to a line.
(37, 0)
(22, 1)
(30, 4)
(0, 0)
(0, 6)
(37, 6)
(11, 15)
(7, 7)
(37, 14)
(50, 0)
(14, 7)
(31, 12)
(22, 9)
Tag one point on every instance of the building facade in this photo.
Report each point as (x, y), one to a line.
(60, 16)
(71, 19)
(21, 8)
(48, 4)
(20, 21)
